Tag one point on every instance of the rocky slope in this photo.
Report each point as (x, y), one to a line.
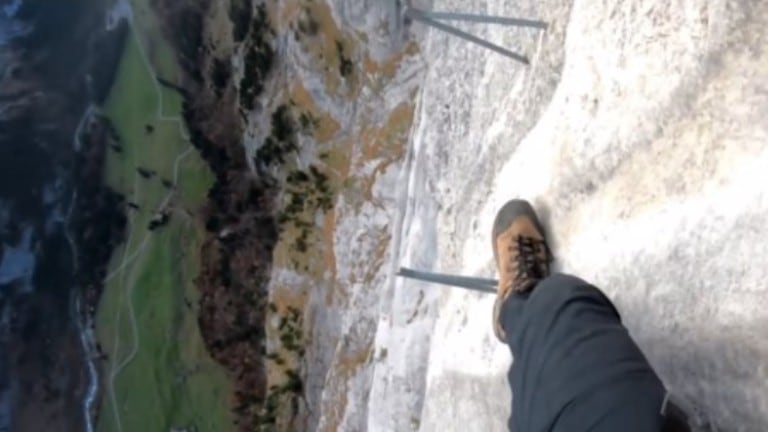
(239, 216)
(295, 112)
(324, 189)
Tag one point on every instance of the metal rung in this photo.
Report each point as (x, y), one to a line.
(431, 19)
(467, 282)
(485, 19)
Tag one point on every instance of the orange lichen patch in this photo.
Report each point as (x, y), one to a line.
(220, 29)
(347, 363)
(338, 160)
(382, 240)
(388, 141)
(345, 366)
(338, 294)
(385, 144)
(321, 12)
(326, 43)
(388, 67)
(370, 66)
(380, 237)
(281, 256)
(283, 298)
(289, 12)
(322, 45)
(336, 411)
(329, 246)
(326, 127)
(301, 97)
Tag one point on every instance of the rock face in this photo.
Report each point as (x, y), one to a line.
(639, 132)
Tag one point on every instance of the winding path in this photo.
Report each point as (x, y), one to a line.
(128, 259)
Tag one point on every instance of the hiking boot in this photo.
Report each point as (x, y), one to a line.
(521, 252)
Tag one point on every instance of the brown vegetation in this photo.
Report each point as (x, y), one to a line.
(243, 217)
(239, 216)
(98, 224)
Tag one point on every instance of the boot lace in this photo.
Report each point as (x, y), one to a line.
(528, 258)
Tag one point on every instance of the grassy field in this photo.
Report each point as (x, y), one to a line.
(160, 53)
(158, 374)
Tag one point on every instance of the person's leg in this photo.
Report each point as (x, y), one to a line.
(575, 366)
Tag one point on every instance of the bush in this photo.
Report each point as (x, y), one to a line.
(259, 58)
(240, 15)
(345, 64)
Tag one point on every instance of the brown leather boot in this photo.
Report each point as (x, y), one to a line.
(522, 254)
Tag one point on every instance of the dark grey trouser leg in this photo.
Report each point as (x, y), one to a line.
(575, 366)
